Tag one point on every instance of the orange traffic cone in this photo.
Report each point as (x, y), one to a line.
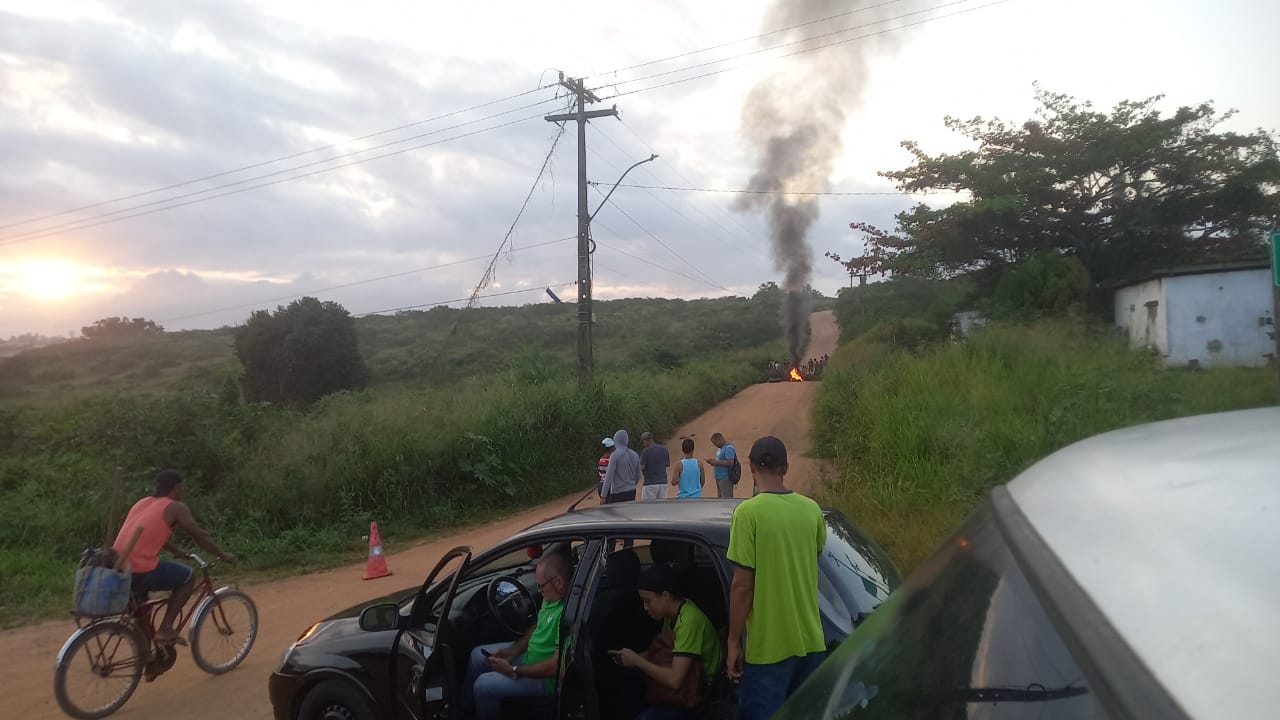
(377, 563)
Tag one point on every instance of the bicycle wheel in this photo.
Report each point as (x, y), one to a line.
(224, 631)
(98, 669)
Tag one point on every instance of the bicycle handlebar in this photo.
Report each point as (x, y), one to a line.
(201, 561)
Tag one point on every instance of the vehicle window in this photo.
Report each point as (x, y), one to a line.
(854, 578)
(965, 638)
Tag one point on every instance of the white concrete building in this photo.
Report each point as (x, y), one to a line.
(1206, 315)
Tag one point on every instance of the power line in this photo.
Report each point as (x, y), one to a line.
(356, 283)
(272, 161)
(797, 52)
(651, 194)
(732, 219)
(749, 39)
(668, 248)
(764, 192)
(653, 263)
(91, 222)
(461, 299)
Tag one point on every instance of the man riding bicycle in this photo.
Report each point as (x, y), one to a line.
(156, 516)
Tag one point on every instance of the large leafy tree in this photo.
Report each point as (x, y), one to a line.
(299, 353)
(1121, 191)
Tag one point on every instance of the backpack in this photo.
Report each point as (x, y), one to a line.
(735, 471)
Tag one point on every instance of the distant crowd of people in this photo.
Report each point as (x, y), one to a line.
(810, 369)
(623, 471)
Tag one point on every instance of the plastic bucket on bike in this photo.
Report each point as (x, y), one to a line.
(101, 591)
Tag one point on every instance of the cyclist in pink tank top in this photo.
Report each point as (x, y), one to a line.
(152, 519)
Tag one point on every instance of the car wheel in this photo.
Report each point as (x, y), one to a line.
(335, 700)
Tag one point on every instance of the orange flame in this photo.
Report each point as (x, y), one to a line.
(795, 376)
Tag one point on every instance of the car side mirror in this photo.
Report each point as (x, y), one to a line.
(380, 617)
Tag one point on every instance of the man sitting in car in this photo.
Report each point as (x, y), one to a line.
(527, 667)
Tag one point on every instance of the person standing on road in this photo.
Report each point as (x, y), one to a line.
(654, 461)
(774, 542)
(687, 476)
(603, 464)
(623, 474)
(725, 454)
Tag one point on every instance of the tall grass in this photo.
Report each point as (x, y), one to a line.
(919, 439)
(292, 490)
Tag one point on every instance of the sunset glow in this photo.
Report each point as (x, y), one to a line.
(47, 279)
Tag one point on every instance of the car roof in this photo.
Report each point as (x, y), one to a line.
(1172, 530)
(709, 517)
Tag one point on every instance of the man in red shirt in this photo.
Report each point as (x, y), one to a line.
(152, 519)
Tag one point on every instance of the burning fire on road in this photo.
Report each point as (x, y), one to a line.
(796, 376)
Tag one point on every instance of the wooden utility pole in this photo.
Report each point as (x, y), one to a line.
(582, 115)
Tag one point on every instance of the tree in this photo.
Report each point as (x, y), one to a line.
(120, 327)
(300, 353)
(1122, 191)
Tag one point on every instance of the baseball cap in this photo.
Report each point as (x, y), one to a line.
(646, 435)
(769, 453)
(607, 442)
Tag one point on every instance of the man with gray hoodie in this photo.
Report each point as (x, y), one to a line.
(623, 474)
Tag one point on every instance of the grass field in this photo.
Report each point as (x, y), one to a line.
(918, 439)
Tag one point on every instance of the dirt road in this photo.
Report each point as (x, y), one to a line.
(286, 606)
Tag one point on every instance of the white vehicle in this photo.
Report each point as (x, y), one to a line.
(1135, 574)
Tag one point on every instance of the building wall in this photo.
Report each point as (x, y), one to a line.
(1219, 319)
(1140, 311)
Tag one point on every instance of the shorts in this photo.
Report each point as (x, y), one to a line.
(168, 575)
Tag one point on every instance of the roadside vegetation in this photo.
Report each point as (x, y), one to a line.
(292, 489)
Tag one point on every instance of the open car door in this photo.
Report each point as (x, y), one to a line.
(425, 675)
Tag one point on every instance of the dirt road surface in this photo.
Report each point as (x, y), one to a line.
(287, 606)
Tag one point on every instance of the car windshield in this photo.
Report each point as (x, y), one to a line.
(965, 637)
(855, 577)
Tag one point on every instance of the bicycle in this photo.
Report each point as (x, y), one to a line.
(115, 651)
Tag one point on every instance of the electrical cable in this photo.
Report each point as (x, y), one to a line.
(356, 283)
(747, 39)
(93, 222)
(797, 52)
(272, 161)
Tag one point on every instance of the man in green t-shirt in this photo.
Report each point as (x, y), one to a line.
(774, 541)
(695, 640)
(527, 667)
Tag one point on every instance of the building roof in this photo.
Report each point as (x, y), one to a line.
(1260, 263)
(1172, 530)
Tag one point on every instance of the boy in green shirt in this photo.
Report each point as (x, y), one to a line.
(774, 541)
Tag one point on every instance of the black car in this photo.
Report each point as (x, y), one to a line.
(404, 656)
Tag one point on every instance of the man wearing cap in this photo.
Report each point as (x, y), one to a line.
(774, 541)
(654, 462)
(603, 466)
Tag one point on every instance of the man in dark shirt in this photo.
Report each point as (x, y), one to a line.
(654, 462)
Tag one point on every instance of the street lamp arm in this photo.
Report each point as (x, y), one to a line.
(615, 185)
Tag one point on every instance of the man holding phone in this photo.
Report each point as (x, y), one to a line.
(527, 667)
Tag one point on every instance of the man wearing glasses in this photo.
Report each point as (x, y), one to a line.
(527, 667)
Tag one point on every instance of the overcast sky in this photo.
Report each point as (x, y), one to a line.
(100, 101)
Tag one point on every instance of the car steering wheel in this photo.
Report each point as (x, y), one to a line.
(511, 604)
